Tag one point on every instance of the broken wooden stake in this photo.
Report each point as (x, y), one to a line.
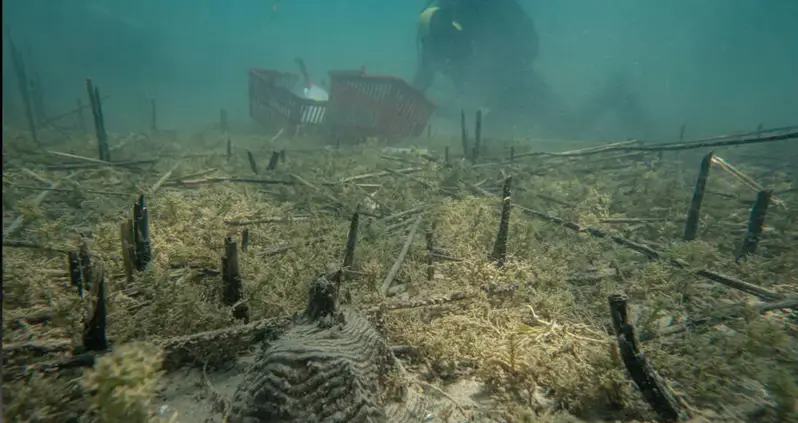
(282, 156)
(512, 154)
(694, 213)
(650, 384)
(232, 289)
(229, 149)
(756, 223)
(446, 156)
(94, 336)
(252, 164)
(351, 242)
(682, 129)
(245, 239)
(499, 253)
(86, 273)
(429, 131)
(141, 234)
(273, 160)
(99, 120)
(75, 272)
(23, 84)
(430, 252)
(386, 284)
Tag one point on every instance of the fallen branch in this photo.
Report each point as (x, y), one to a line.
(163, 179)
(234, 179)
(650, 384)
(719, 318)
(378, 174)
(17, 223)
(245, 222)
(386, 284)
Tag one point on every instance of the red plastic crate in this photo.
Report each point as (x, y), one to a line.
(272, 101)
(363, 105)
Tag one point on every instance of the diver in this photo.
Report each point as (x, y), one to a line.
(487, 48)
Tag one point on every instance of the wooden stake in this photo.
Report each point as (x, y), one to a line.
(273, 160)
(499, 253)
(232, 292)
(94, 337)
(22, 83)
(756, 223)
(252, 164)
(431, 253)
(693, 214)
(141, 234)
(99, 121)
(650, 384)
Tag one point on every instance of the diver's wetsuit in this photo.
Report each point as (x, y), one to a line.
(487, 48)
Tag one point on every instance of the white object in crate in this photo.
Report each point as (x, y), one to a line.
(314, 92)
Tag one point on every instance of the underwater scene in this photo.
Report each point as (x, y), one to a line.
(431, 211)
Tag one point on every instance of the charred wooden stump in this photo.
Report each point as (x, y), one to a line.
(273, 160)
(94, 336)
(499, 253)
(351, 243)
(252, 164)
(756, 222)
(649, 383)
(693, 214)
(430, 252)
(141, 234)
(244, 239)
(75, 271)
(232, 290)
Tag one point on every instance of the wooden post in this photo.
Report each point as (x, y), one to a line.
(232, 291)
(499, 253)
(252, 164)
(756, 222)
(691, 227)
(99, 120)
(94, 336)
(273, 160)
(22, 83)
(650, 384)
(141, 234)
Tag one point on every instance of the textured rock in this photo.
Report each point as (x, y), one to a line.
(331, 366)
